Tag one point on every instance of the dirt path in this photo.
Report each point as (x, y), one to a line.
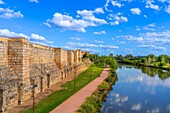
(28, 103)
(73, 103)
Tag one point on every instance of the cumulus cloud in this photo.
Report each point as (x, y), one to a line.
(167, 9)
(116, 3)
(33, 37)
(89, 16)
(114, 23)
(35, 1)
(149, 4)
(8, 13)
(99, 33)
(136, 107)
(106, 5)
(8, 33)
(118, 18)
(67, 22)
(136, 11)
(1, 2)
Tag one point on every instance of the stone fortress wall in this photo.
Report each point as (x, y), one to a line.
(23, 64)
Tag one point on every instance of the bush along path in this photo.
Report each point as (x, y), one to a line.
(70, 88)
(94, 102)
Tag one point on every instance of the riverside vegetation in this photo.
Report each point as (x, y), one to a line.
(161, 62)
(94, 102)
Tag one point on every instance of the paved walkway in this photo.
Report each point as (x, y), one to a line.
(73, 103)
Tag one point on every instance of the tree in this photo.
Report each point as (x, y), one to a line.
(85, 56)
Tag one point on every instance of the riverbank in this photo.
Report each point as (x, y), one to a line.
(67, 90)
(135, 63)
(94, 102)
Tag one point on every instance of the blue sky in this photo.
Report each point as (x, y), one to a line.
(138, 27)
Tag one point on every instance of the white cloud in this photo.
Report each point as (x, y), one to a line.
(150, 27)
(156, 41)
(122, 42)
(47, 24)
(99, 41)
(116, 3)
(89, 16)
(99, 33)
(136, 11)
(106, 5)
(145, 16)
(1, 2)
(114, 23)
(35, 1)
(138, 29)
(149, 4)
(136, 107)
(118, 18)
(88, 45)
(108, 47)
(37, 37)
(155, 110)
(33, 38)
(75, 38)
(146, 46)
(7, 33)
(8, 13)
(80, 45)
(167, 9)
(168, 108)
(119, 98)
(67, 22)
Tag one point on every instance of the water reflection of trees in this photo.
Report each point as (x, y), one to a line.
(162, 74)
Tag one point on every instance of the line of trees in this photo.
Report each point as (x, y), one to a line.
(103, 60)
(161, 61)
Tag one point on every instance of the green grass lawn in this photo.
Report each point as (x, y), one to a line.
(59, 96)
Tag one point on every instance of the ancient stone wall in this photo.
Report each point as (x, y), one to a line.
(76, 57)
(3, 51)
(40, 54)
(70, 58)
(23, 64)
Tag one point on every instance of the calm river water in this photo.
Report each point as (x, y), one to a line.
(139, 90)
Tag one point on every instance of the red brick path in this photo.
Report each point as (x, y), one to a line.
(73, 103)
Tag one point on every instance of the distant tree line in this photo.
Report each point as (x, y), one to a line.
(103, 60)
(161, 61)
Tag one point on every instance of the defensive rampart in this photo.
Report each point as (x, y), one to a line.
(24, 64)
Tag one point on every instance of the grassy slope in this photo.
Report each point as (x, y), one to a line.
(56, 98)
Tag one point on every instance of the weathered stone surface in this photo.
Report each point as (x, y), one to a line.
(23, 64)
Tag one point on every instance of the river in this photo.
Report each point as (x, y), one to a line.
(139, 90)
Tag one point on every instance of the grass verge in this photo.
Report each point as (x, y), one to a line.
(94, 102)
(50, 102)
